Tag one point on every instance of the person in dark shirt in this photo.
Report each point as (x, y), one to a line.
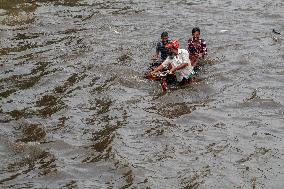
(161, 51)
(196, 47)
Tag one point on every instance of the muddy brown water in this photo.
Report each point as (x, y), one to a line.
(76, 111)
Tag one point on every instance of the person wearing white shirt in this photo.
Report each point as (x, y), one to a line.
(178, 62)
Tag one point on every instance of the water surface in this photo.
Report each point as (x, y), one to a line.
(76, 111)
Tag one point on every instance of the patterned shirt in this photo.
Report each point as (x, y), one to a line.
(181, 58)
(195, 49)
(162, 49)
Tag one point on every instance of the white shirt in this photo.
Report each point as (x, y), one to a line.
(181, 58)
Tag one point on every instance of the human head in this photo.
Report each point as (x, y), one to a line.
(196, 29)
(196, 34)
(173, 46)
(165, 36)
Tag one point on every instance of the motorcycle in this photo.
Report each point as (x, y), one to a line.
(165, 77)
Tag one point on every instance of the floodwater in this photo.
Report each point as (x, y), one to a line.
(76, 111)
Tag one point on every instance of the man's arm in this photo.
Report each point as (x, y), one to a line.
(204, 48)
(156, 56)
(173, 70)
(164, 64)
(185, 62)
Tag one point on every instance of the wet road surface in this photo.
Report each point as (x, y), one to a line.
(76, 111)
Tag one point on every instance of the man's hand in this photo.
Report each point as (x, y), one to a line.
(200, 55)
(152, 72)
(193, 59)
(155, 57)
(172, 71)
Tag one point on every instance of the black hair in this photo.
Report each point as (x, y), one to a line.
(164, 34)
(196, 29)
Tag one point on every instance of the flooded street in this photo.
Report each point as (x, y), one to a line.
(76, 111)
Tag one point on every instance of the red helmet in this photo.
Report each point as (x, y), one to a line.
(174, 44)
